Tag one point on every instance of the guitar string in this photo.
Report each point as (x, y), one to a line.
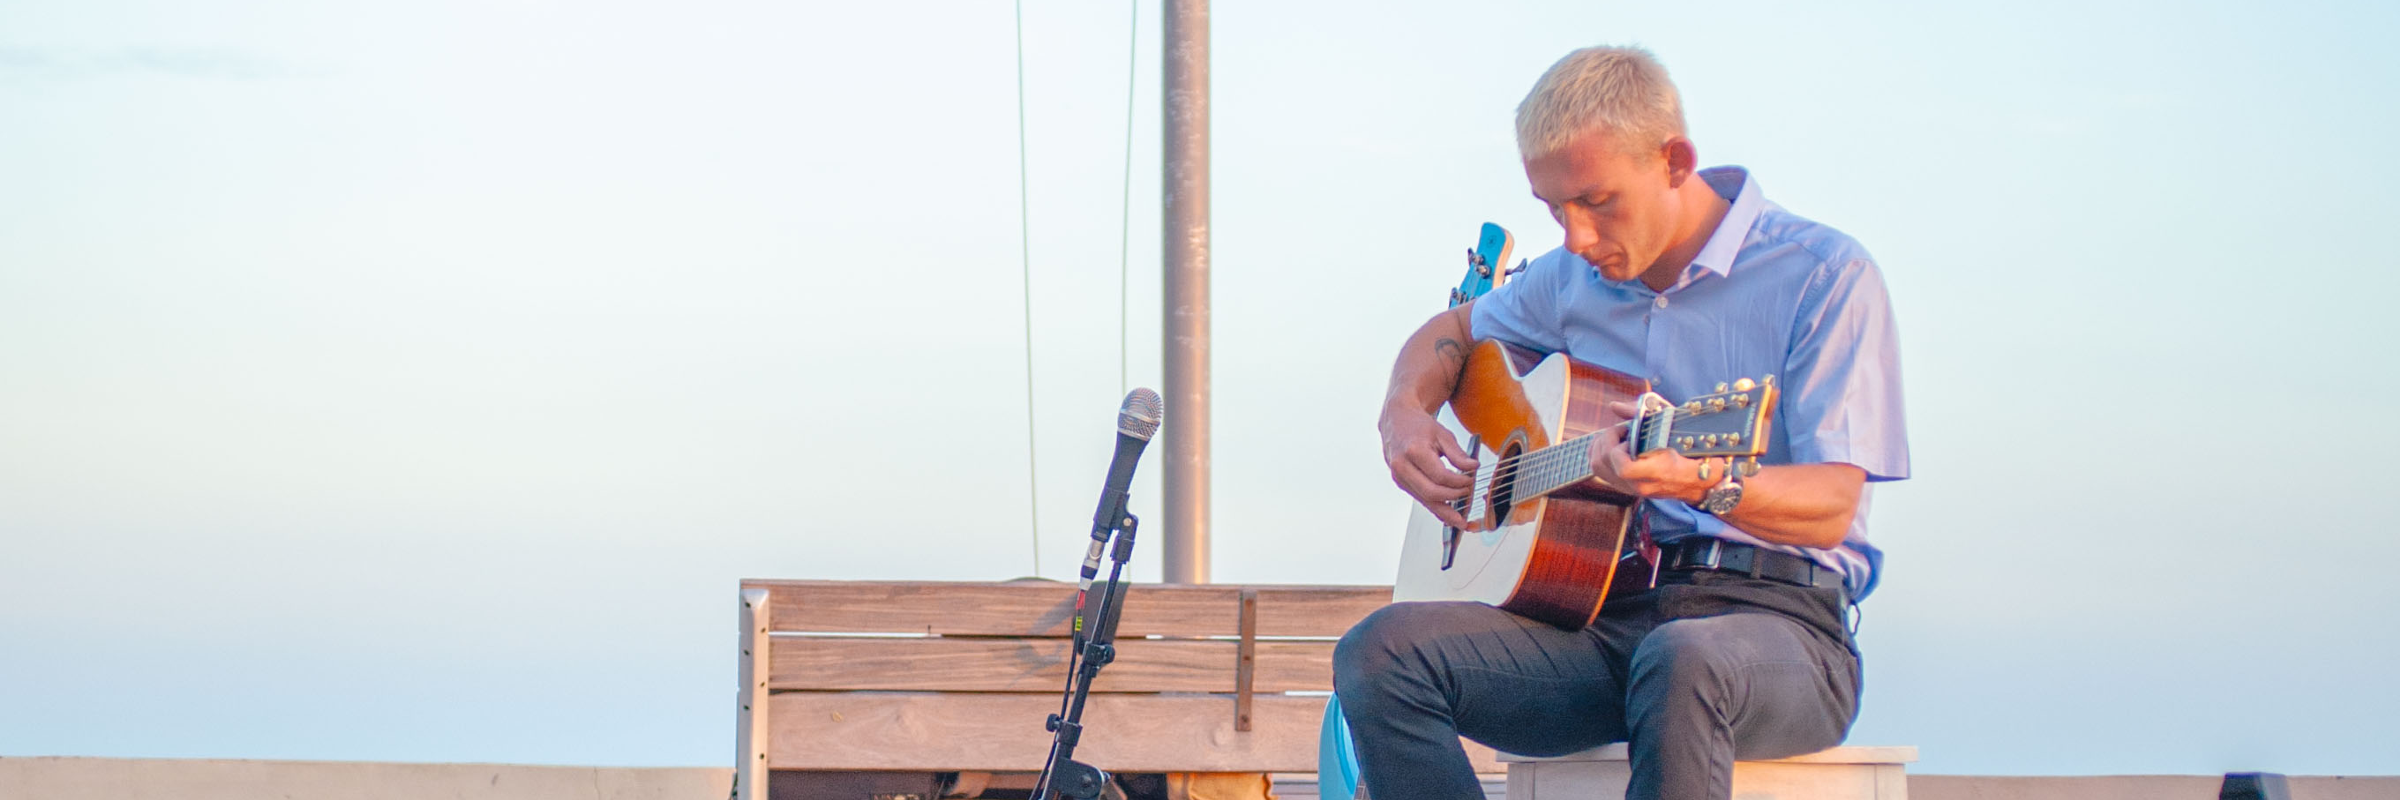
(1545, 452)
(1553, 461)
(1507, 469)
(1511, 463)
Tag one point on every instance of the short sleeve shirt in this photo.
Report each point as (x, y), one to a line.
(1771, 293)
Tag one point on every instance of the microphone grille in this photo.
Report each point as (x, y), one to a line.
(1139, 416)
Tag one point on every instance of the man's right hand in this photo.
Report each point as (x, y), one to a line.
(1427, 461)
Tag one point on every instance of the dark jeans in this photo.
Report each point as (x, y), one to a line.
(1703, 669)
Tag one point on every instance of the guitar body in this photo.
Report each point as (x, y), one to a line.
(1550, 558)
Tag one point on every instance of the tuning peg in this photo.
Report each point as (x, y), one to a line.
(1749, 467)
(1721, 388)
(1744, 385)
(1520, 267)
(1768, 381)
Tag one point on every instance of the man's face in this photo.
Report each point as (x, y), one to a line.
(1618, 208)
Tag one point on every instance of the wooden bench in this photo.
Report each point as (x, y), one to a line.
(958, 677)
(1842, 773)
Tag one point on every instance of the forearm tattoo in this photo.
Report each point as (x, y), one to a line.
(1453, 353)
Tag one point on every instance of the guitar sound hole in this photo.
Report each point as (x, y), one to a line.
(1504, 489)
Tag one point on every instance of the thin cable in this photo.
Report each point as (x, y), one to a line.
(1133, 42)
(1025, 256)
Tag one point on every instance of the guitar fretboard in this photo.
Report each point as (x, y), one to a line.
(1553, 468)
(1564, 464)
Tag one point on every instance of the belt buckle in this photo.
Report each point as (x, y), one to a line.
(1716, 555)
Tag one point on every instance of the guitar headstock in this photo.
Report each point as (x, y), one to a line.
(1731, 422)
(1485, 265)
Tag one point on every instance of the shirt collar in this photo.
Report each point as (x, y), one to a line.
(1736, 186)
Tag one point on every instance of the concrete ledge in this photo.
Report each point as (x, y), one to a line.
(2134, 787)
(64, 778)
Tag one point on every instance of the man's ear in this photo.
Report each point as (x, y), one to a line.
(1683, 160)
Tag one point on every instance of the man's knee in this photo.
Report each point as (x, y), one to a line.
(1688, 659)
(1392, 641)
(1376, 642)
(1752, 674)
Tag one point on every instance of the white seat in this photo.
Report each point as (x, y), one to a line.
(1842, 773)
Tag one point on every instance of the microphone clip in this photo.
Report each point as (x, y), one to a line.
(1095, 629)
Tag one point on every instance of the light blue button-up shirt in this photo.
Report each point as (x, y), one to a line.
(1770, 294)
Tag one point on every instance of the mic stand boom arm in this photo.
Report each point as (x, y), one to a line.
(1094, 647)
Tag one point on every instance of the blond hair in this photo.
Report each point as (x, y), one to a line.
(1620, 91)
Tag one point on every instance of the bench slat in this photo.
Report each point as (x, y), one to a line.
(1043, 608)
(1003, 732)
(1039, 665)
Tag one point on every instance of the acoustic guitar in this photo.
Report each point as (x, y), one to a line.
(1543, 536)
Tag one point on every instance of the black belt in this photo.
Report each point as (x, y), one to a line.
(1703, 552)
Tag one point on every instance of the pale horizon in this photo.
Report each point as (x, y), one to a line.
(415, 382)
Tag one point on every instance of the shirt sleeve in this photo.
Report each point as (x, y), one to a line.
(1841, 386)
(1525, 310)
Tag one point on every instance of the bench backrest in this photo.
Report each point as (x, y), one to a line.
(854, 675)
(1013, 637)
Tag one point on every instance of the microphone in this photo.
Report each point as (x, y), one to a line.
(1136, 421)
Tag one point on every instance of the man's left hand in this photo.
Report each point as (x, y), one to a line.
(1661, 473)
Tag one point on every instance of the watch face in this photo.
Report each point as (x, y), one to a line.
(1722, 498)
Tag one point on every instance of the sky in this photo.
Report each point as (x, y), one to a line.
(417, 381)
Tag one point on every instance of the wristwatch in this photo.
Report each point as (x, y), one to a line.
(1722, 497)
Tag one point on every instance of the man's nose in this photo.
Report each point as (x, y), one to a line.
(1581, 235)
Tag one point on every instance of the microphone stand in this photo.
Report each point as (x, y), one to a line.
(1094, 647)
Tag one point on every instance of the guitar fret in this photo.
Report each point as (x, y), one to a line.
(1551, 468)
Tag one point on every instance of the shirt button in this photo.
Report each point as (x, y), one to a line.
(1661, 302)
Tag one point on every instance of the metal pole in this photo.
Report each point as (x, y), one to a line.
(1186, 291)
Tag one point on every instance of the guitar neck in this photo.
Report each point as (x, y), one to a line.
(1567, 463)
(1553, 468)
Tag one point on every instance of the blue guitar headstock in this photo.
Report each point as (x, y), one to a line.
(1487, 265)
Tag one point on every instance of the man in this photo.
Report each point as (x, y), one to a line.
(1687, 278)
